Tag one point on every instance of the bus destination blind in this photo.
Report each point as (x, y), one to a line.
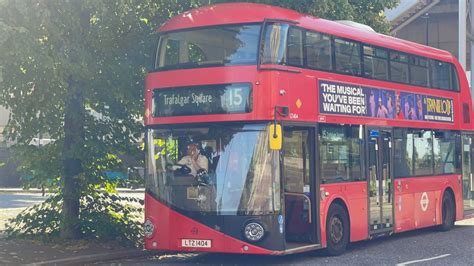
(202, 100)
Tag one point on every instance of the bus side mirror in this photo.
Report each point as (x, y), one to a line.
(275, 137)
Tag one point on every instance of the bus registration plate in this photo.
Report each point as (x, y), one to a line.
(195, 243)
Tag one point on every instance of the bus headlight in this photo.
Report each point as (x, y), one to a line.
(254, 232)
(148, 228)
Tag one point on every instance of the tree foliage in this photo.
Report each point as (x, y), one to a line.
(73, 71)
(369, 12)
(103, 217)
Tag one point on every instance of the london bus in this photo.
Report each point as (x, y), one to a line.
(274, 132)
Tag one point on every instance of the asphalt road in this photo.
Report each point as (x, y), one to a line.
(20, 200)
(10, 200)
(421, 247)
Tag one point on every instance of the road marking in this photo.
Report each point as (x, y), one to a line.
(427, 259)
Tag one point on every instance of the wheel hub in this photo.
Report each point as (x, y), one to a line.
(337, 230)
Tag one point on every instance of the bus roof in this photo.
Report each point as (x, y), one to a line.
(235, 13)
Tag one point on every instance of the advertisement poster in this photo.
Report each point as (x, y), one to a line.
(426, 108)
(355, 100)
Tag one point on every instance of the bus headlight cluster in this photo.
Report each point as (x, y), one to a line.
(254, 231)
(148, 228)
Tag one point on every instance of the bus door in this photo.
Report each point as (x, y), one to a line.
(298, 184)
(380, 181)
(468, 171)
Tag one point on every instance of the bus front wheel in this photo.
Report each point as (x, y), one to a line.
(448, 213)
(337, 230)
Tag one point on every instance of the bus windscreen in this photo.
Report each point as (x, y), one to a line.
(215, 170)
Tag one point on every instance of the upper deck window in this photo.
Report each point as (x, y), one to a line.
(274, 51)
(210, 46)
(347, 56)
(418, 71)
(440, 73)
(399, 67)
(295, 47)
(375, 62)
(318, 50)
(455, 78)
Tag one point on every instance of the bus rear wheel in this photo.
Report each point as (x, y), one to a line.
(337, 230)
(448, 213)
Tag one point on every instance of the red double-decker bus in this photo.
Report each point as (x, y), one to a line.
(274, 132)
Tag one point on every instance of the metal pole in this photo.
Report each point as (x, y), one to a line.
(427, 30)
(462, 33)
(426, 16)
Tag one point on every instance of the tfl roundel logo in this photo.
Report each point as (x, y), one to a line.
(424, 201)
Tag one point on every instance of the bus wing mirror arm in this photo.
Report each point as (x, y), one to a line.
(275, 131)
(282, 111)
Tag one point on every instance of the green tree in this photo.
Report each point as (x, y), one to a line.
(73, 71)
(369, 12)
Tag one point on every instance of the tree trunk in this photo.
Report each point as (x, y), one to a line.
(72, 164)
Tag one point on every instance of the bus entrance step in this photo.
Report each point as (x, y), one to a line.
(380, 233)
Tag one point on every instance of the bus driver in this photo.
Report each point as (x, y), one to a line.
(194, 160)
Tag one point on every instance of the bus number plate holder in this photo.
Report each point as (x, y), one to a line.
(196, 243)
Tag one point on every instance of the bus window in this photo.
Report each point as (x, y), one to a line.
(347, 56)
(455, 79)
(375, 63)
(238, 177)
(274, 51)
(440, 75)
(398, 67)
(210, 46)
(423, 153)
(403, 153)
(340, 154)
(418, 71)
(444, 147)
(296, 168)
(295, 47)
(318, 50)
(171, 53)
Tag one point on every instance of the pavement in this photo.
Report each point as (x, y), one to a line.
(32, 252)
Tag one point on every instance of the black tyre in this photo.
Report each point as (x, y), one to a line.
(448, 212)
(337, 230)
